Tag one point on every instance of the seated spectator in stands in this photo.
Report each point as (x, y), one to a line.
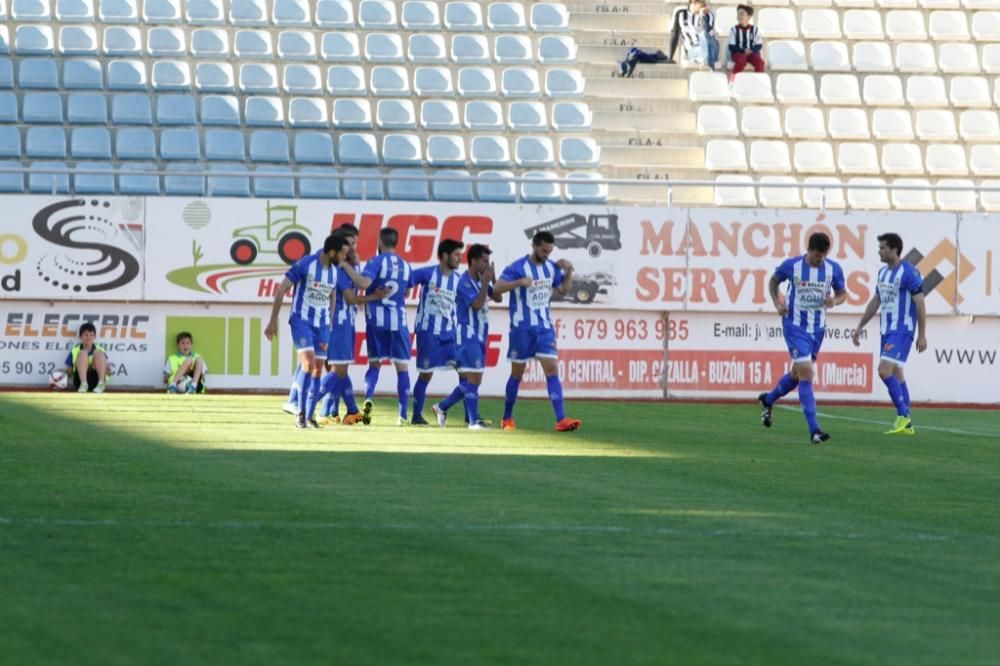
(682, 25)
(184, 372)
(696, 24)
(705, 47)
(745, 42)
(87, 362)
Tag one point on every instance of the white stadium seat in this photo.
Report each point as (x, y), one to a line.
(986, 26)
(752, 88)
(892, 125)
(708, 87)
(829, 57)
(958, 58)
(204, 12)
(779, 197)
(717, 120)
(979, 126)
(735, 196)
(924, 91)
(872, 57)
(804, 122)
(821, 194)
(291, 13)
(990, 200)
(296, 45)
(984, 159)
(867, 199)
(495, 186)
(556, 50)
(770, 156)
(161, 11)
(848, 124)
(970, 91)
(863, 24)
(795, 89)
(306, 112)
(936, 125)
(357, 149)
(902, 159)
(957, 200)
(946, 160)
(760, 122)
(857, 158)
(916, 58)
(819, 24)
(452, 190)
(839, 89)
(302, 80)
(905, 24)
(261, 111)
(787, 55)
(776, 23)
(725, 155)
(918, 199)
(883, 90)
(401, 150)
(949, 26)
(247, 12)
(74, 40)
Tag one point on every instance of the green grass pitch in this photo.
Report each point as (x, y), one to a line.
(151, 529)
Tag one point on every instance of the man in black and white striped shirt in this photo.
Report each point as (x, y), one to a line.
(745, 43)
(687, 23)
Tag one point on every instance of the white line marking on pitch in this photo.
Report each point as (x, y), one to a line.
(918, 426)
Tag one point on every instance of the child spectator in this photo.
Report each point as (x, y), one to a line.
(696, 23)
(184, 365)
(88, 362)
(745, 43)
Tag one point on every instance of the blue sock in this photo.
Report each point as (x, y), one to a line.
(305, 382)
(293, 392)
(326, 386)
(906, 395)
(808, 402)
(472, 402)
(312, 398)
(464, 383)
(456, 395)
(345, 389)
(556, 396)
(329, 405)
(784, 386)
(896, 395)
(371, 380)
(510, 397)
(419, 396)
(403, 391)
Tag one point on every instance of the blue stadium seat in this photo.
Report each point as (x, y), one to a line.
(527, 117)
(296, 45)
(319, 188)
(433, 82)
(401, 150)
(470, 50)
(520, 82)
(276, 187)
(34, 40)
(77, 40)
(180, 144)
(90, 143)
(235, 185)
(340, 47)
(408, 190)
(6, 73)
(452, 190)
(210, 43)
(8, 108)
(463, 17)
(166, 42)
(4, 39)
(253, 45)
(264, 112)
(445, 150)
(171, 75)
(377, 15)
(87, 109)
(506, 17)
(46, 142)
(247, 12)
(439, 114)
(175, 110)
(477, 82)
(161, 11)
(119, 11)
(38, 73)
(141, 182)
(48, 183)
(390, 81)
(184, 185)
(11, 182)
(571, 117)
(204, 12)
(484, 115)
(10, 142)
(42, 107)
(291, 13)
(345, 80)
(126, 75)
(131, 110)
(352, 113)
(357, 149)
(30, 10)
(540, 189)
(215, 77)
(490, 187)
(220, 110)
(490, 151)
(269, 146)
(395, 114)
(83, 74)
(418, 15)
(307, 112)
(258, 78)
(534, 151)
(513, 50)
(224, 146)
(302, 80)
(363, 188)
(313, 148)
(383, 47)
(74, 11)
(122, 40)
(94, 183)
(426, 49)
(335, 14)
(135, 143)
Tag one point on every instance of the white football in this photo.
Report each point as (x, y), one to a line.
(183, 385)
(58, 380)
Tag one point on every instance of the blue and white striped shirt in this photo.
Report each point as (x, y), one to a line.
(896, 289)
(529, 306)
(436, 310)
(472, 324)
(313, 286)
(389, 271)
(344, 313)
(808, 288)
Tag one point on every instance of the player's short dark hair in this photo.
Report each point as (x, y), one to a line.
(543, 237)
(477, 250)
(347, 229)
(334, 242)
(449, 245)
(87, 327)
(819, 242)
(894, 241)
(184, 334)
(388, 237)
(747, 8)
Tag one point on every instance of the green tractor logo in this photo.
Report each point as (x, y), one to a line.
(281, 234)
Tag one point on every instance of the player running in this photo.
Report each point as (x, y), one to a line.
(386, 331)
(531, 280)
(435, 323)
(811, 278)
(900, 294)
(472, 314)
(314, 278)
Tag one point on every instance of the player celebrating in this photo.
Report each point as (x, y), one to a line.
(435, 323)
(811, 277)
(315, 279)
(386, 331)
(900, 294)
(531, 280)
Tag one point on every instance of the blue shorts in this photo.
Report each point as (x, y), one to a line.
(895, 347)
(528, 342)
(435, 352)
(802, 346)
(307, 337)
(471, 355)
(341, 349)
(386, 345)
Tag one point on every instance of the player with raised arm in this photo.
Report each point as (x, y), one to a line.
(531, 280)
(386, 331)
(435, 323)
(811, 279)
(899, 293)
(472, 311)
(314, 278)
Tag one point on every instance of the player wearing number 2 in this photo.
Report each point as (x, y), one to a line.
(531, 280)
(386, 331)
(435, 323)
(811, 278)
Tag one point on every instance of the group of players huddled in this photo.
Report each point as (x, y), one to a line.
(451, 326)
